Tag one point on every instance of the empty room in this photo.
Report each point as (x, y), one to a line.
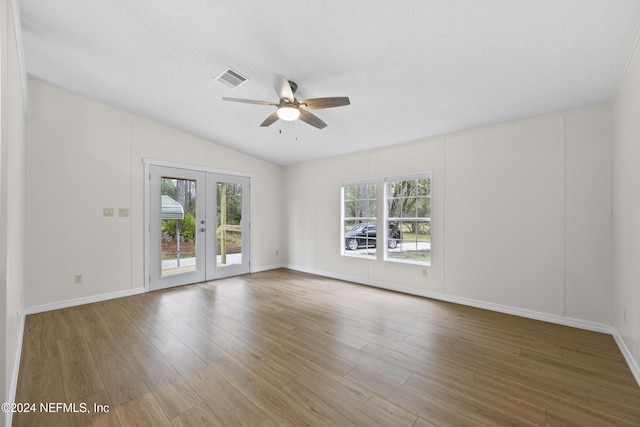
(190, 194)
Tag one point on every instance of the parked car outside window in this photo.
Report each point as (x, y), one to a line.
(363, 235)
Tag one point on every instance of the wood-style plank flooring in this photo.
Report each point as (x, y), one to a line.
(283, 348)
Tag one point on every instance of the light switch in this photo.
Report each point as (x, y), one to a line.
(107, 211)
(123, 212)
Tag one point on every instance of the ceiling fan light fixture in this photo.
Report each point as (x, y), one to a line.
(288, 113)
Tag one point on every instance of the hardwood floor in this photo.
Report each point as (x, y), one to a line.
(283, 348)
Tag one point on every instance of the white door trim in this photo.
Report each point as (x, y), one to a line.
(154, 162)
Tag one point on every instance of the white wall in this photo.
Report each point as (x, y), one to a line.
(521, 215)
(587, 219)
(12, 201)
(626, 209)
(504, 215)
(84, 156)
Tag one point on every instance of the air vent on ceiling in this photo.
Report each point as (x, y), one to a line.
(231, 79)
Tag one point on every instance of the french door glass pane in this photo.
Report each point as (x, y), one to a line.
(178, 226)
(228, 227)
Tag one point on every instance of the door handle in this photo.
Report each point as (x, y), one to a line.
(202, 229)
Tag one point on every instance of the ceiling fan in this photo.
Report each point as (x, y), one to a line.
(289, 108)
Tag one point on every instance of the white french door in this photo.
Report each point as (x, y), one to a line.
(198, 225)
(228, 246)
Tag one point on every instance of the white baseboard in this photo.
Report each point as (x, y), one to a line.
(530, 314)
(633, 365)
(84, 300)
(267, 267)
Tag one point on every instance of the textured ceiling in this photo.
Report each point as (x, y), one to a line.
(412, 69)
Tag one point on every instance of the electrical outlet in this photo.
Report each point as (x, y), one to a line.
(123, 212)
(424, 272)
(277, 252)
(78, 278)
(107, 211)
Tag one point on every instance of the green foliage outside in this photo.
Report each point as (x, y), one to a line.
(187, 228)
(184, 192)
(360, 201)
(234, 203)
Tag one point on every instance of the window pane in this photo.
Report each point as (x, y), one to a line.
(373, 209)
(408, 188)
(395, 208)
(373, 194)
(415, 244)
(359, 226)
(178, 226)
(350, 209)
(393, 189)
(349, 224)
(408, 220)
(349, 193)
(409, 207)
(395, 235)
(362, 208)
(424, 207)
(424, 187)
(228, 227)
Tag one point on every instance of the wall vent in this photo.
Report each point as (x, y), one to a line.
(231, 79)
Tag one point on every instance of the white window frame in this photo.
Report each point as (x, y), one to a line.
(387, 218)
(369, 253)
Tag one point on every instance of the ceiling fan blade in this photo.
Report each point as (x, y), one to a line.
(249, 101)
(316, 103)
(283, 89)
(312, 119)
(270, 120)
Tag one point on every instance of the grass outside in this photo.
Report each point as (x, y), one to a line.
(416, 237)
(418, 256)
